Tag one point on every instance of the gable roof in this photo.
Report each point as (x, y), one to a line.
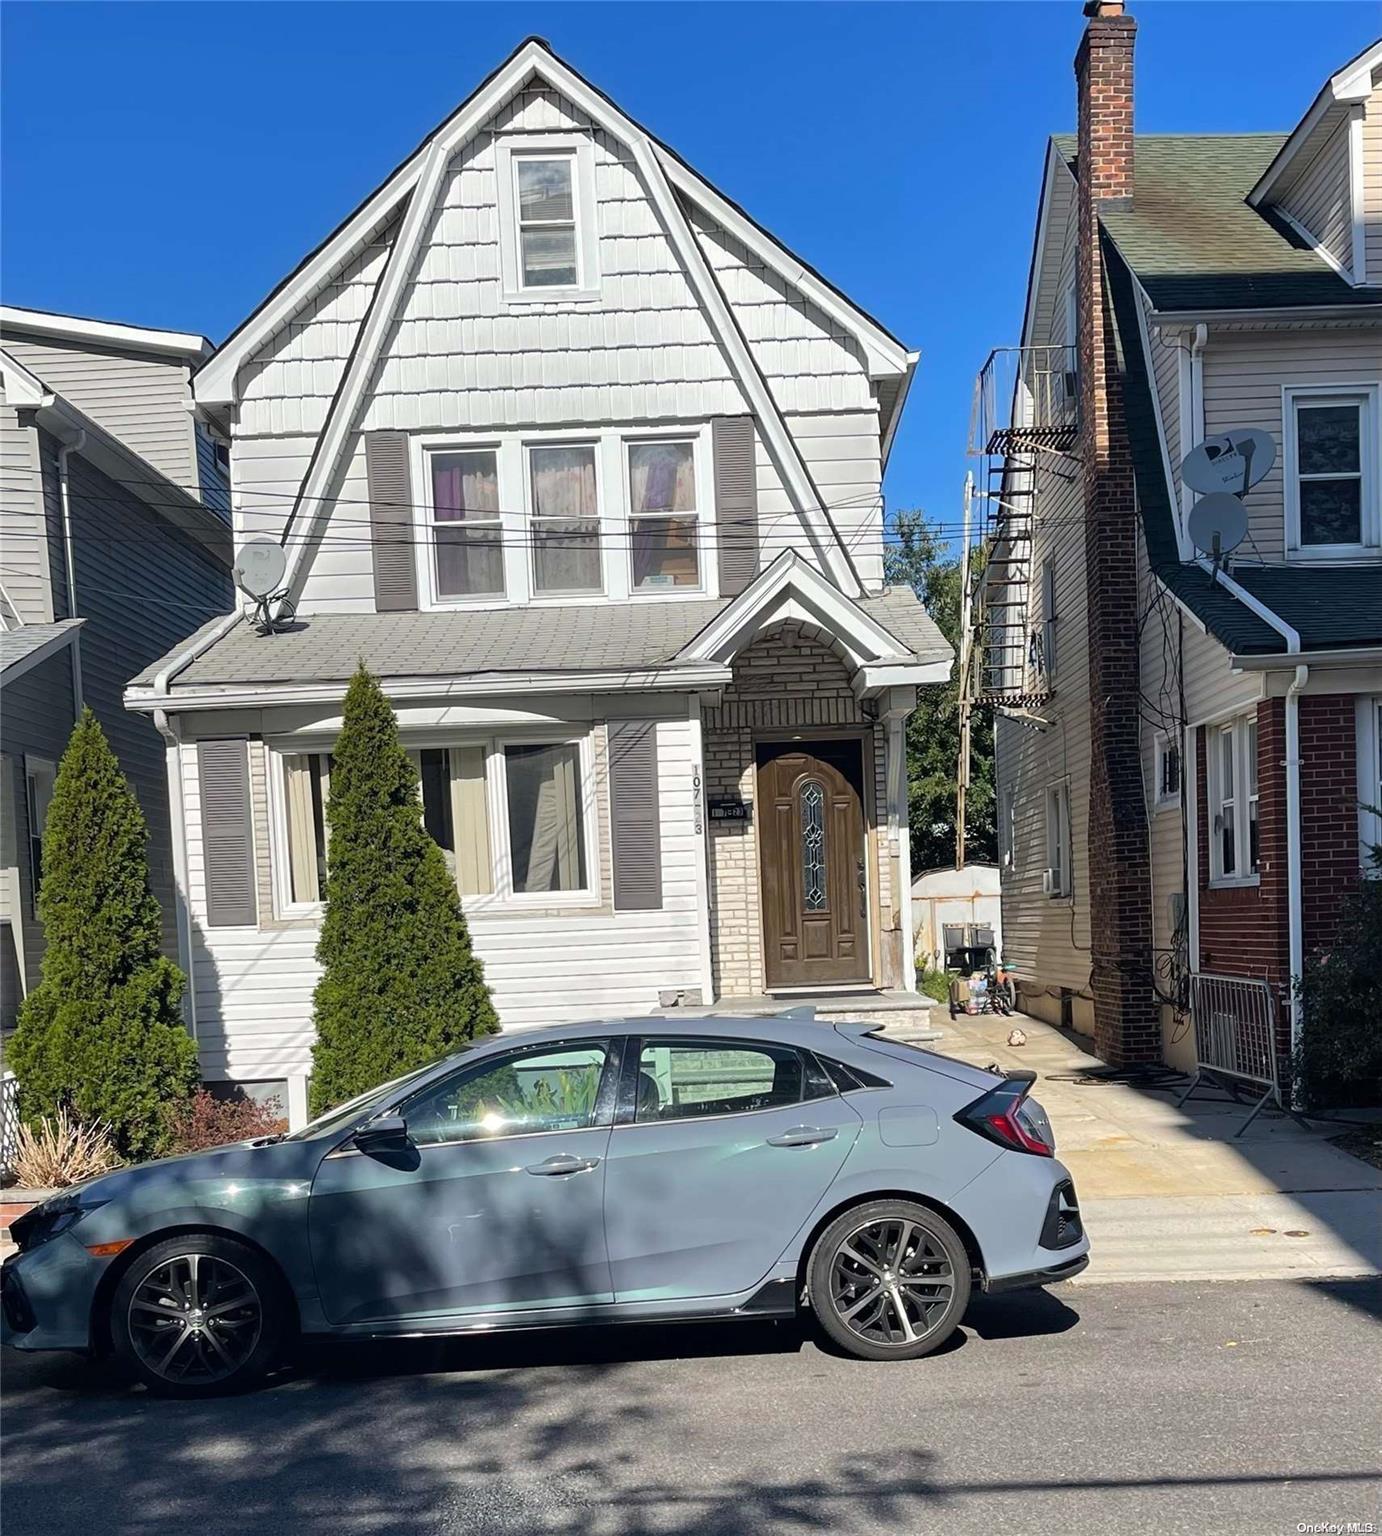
(534, 58)
(27, 645)
(1194, 241)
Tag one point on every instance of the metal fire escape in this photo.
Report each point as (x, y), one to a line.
(1024, 430)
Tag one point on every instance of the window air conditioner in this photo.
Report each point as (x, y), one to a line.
(1050, 882)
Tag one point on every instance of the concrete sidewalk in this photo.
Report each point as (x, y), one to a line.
(1171, 1193)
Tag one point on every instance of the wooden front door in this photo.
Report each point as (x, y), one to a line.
(813, 861)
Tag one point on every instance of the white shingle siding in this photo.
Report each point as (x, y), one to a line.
(1320, 199)
(1372, 184)
(458, 358)
(254, 985)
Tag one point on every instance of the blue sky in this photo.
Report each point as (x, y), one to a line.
(197, 151)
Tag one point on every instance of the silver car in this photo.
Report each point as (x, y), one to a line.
(623, 1171)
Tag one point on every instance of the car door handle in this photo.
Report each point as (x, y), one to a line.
(804, 1136)
(555, 1166)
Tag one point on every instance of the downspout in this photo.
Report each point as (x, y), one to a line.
(69, 555)
(177, 816)
(1197, 345)
(1294, 916)
(897, 816)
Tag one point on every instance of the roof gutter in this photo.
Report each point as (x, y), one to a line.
(1252, 604)
(1274, 661)
(1366, 314)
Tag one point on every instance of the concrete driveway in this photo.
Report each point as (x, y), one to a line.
(1173, 1193)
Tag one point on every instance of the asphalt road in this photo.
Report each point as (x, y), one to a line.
(1240, 1407)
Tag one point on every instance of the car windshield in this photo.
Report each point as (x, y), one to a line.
(360, 1107)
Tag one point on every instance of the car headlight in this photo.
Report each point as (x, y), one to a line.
(47, 1221)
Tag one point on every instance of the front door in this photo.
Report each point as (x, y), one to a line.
(496, 1203)
(814, 864)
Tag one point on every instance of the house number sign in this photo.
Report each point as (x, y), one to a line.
(728, 808)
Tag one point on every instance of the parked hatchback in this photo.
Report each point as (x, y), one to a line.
(624, 1171)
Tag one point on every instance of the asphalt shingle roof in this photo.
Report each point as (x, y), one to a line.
(589, 638)
(18, 644)
(1195, 243)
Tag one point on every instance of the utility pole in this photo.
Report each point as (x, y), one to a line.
(966, 663)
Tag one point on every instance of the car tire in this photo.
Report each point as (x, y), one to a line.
(889, 1280)
(199, 1316)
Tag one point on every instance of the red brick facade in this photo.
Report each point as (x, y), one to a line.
(1245, 929)
(1126, 1026)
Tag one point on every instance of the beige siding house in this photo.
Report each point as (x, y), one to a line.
(587, 468)
(1239, 282)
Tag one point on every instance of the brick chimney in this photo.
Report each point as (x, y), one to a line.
(1126, 1023)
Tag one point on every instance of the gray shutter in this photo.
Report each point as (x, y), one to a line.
(391, 522)
(635, 826)
(736, 502)
(223, 772)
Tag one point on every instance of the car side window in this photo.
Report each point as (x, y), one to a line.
(517, 1095)
(685, 1079)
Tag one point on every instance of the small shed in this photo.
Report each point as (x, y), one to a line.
(952, 908)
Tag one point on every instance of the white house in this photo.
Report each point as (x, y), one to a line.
(586, 466)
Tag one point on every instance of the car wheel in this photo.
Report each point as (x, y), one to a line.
(197, 1316)
(889, 1280)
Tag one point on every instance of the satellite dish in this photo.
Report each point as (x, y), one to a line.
(1217, 524)
(259, 568)
(1234, 461)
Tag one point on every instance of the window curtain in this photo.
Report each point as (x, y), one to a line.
(470, 818)
(662, 477)
(464, 485)
(307, 778)
(544, 818)
(566, 526)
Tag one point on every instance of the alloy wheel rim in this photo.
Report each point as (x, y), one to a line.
(195, 1318)
(891, 1282)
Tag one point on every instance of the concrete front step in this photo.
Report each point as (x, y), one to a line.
(899, 1015)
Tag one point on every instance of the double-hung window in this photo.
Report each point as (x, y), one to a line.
(306, 790)
(546, 202)
(1331, 466)
(544, 804)
(565, 519)
(1370, 784)
(467, 531)
(548, 239)
(1234, 843)
(663, 515)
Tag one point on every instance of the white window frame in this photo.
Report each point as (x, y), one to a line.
(1365, 396)
(431, 525)
(36, 769)
(612, 508)
(1369, 712)
(1059, 839)
(704, 514)
(1007, 827)
(500, 846)
(1162, 747)
(581, 151)
(285, 906)
(1241, 794)
(603, 519)
(502, 896)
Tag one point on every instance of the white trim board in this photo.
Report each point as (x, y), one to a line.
(109, 333)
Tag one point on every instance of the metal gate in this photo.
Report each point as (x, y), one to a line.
(1235, 1036)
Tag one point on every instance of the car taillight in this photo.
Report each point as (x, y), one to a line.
(1006, 1115)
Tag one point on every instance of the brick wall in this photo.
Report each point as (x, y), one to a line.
(1328, 812)
(787, 679)
(1126, 1026)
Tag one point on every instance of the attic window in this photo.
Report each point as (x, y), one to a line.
(547, 227)
(547, 221)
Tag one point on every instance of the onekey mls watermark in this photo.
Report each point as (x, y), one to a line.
(1337, 1527)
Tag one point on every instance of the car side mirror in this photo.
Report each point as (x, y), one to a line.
(389, 1133)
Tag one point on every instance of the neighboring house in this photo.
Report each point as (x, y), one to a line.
(586, 466)
(110, 552)
(956, 909)
(1185, 759)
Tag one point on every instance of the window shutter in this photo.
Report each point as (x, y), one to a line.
(223, 773)
(736, 502)
(391, 522)
(635, 826)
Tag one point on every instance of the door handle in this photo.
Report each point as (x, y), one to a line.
(554, 1167)
(804, 1136)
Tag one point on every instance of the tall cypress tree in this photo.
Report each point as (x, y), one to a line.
(101, 1034)
(400, 983)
